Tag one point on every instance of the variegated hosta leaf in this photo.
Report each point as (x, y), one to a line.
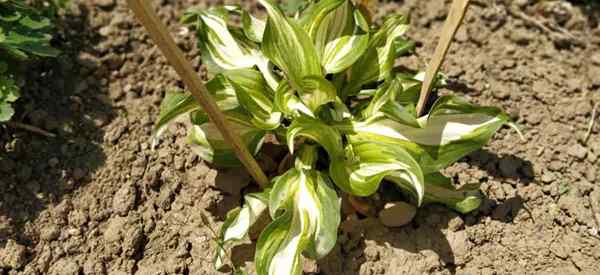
(208, 143)
(439, 189)
(178, 103)
(226, 48)
(288, 46)
(306, 215)
(255, 97)
(174, 105)
(287, 102)
(254, 28)
(377, 62)
(368, 162)
(317, 91)
(385, 93)
(339, 41)
(452, 130)
(220, 48)
(236, 226)
(323, 134)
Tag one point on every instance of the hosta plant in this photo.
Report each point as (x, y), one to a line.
(324, 84)
(23, 33)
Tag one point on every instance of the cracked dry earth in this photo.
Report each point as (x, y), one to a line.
(98, 200)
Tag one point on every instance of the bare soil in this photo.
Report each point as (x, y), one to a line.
(98, 200)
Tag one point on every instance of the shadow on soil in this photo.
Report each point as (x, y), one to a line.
(66, 96)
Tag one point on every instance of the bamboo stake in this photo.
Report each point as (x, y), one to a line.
(159, 33)
(455, 17)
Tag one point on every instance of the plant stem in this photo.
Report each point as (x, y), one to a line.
(455, 17)
(30, 128)
(159, 33)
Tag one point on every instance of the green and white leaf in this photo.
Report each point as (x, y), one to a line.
(236, 226)
(377, 62)
(439, 189)
(368, 162)
(255, 97)
(317, 91)
(326, 136)
(206, 140)
(339, 41)
(288, 46)
(176, 104)
(452, 130)
(287, 102)
(305, 210)
(253, 27)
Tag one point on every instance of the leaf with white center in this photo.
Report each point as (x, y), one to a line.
(287, 102)
(178, 103)
(253, 27)
(377, 62)
(317, 91)
(384, 94)
(453, 130)
(288, 46)
(439, 189)
(174, 105)
(305, 210)
(367, 163)
(255, 97)
(226, 48)
(339, 41)
(206, 140)
(323, 134)
(238, 222)
(220, 49)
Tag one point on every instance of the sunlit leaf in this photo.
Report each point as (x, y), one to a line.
(238, 222)
(439, 189)
(367, 163)
(305, 210)
(377, 62)
(288, 46)
(453, 130)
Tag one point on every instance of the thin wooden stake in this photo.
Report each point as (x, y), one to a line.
(159, 33)
(455, 17)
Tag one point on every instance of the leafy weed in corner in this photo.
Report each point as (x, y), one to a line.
(23, 33)
(324, 84)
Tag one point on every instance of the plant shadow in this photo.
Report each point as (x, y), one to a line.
(67, 96)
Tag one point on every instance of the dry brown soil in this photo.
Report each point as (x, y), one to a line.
(98, 200)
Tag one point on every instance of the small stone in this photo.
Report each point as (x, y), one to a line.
(65, 267)
(104, 3)
(124, 200)
(456, 223)
(577, 151)
(78, 173)
(548, 177)
(53, 162)
(501, 92)
(13, 255)
(88, 60)
(396, 214)
(50, 233)
(596, 59)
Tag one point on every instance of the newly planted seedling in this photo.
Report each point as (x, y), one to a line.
(23, 33)
(323, 83)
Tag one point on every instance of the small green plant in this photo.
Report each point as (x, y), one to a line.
(23, 33)
(322, 82)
